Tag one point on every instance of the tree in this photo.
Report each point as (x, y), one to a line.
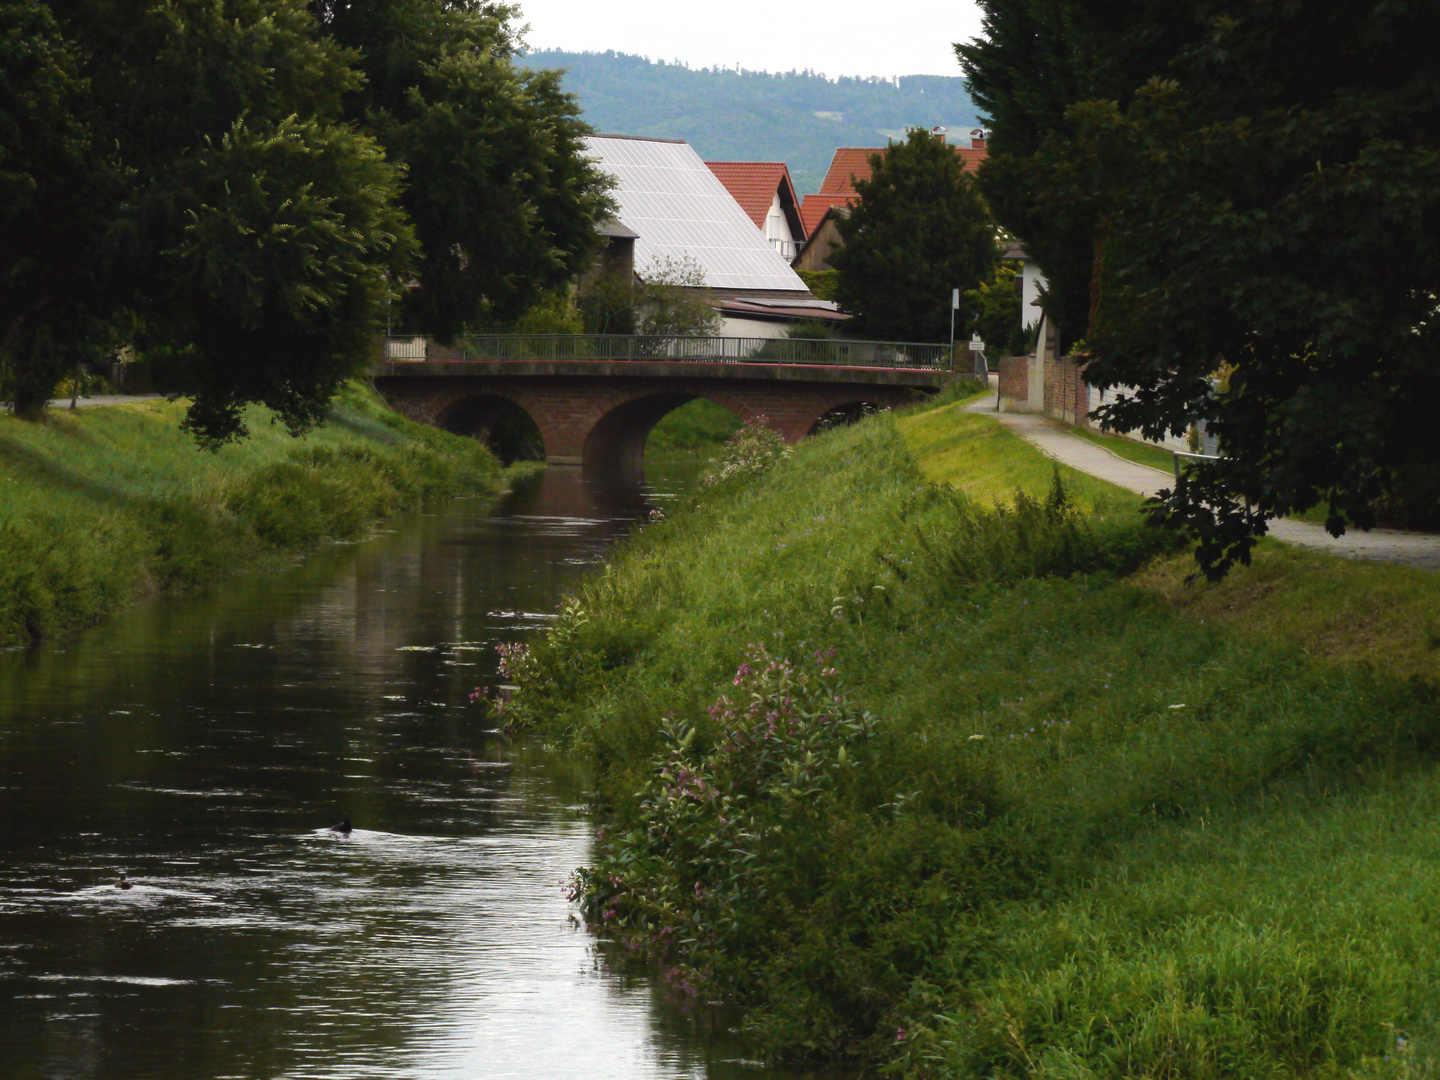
(239, 187)
(918, 230)
(1029, 68)
(1270, 177)
(207, 199)
(54, 181)
(668, 301)
(995, 303)
(502, 197)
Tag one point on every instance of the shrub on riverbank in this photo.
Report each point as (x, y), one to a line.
(1082, 832)
(104, 504)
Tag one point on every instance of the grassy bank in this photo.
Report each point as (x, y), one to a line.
(696, 429)
(102, 505)
(973, 793)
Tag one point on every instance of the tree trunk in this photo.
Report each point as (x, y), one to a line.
(1102, 233)
(30, 400)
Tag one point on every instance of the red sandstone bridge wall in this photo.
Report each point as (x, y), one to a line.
(571, 411)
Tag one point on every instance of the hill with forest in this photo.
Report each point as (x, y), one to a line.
(798, 117)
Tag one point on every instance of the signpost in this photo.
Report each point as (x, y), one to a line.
(978, 348)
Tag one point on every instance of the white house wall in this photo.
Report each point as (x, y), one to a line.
(1169, 442)
(733, 326)
(777, 230)
(1032, 281)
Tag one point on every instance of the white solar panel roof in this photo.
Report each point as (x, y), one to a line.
(679, 208)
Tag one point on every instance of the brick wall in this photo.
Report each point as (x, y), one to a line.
(569, 410)
(1067, 398)
(1015, 379)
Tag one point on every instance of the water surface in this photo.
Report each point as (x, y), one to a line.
(205, 745)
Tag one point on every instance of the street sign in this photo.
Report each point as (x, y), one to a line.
(976, 345)
(954, 299)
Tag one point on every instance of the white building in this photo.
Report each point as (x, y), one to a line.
(679, 209)
(1032, 283)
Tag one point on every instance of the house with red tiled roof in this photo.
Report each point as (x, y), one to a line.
(837, 192)
(824, 238)
(814, 208)
(764, 191)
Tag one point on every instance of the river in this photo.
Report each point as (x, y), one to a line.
(204, 745)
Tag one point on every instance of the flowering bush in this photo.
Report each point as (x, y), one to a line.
(722, 826)
(515, 663)
(749, 452)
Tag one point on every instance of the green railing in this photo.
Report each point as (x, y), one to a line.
(821, 352)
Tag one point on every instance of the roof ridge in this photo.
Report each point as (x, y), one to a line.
(633, 138)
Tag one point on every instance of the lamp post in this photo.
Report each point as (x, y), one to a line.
(954, 307)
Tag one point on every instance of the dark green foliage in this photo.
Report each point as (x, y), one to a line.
(56, 180)
(995, 305)
(1263, 183)
(919, 230)
(222, 208)
(1298, 255)
(239, 186)
(1027, 69)
(698, 427)
(798, 117)
(1077, 836)
(502, 201)
(820, 282)
(283, 258)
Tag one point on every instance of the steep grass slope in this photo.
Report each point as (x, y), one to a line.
(105, 504)
(948, 787)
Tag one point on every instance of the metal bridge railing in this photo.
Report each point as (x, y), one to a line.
(406, 348)
(710, 350)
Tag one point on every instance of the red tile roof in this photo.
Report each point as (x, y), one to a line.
(752, 183)
(854, 162)
(972, 156)
(848, 161)
(812, 210)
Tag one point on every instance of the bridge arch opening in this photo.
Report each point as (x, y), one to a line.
(694, 427)
(843, 415)
(617, 441)
(500, 423)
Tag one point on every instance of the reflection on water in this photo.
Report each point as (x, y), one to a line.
(205, 746)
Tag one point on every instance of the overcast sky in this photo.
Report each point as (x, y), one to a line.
(842, 37)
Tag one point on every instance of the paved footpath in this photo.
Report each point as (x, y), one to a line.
(1420, 550)
(101, 399)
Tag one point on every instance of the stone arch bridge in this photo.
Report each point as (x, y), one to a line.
(597, 407)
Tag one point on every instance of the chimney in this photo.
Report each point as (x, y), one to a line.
(977, 139)
(938, 132)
